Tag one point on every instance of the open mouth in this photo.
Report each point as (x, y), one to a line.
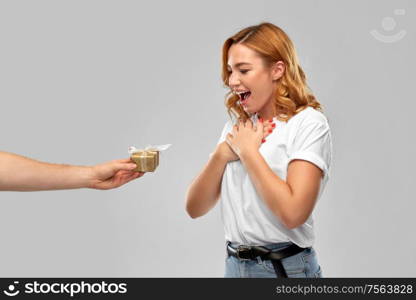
(244, 96)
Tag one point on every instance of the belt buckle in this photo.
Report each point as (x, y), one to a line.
(244, 252)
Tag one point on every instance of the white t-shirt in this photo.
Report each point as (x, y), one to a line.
(246, 217)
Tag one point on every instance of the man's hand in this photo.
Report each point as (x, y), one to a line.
(112, 174)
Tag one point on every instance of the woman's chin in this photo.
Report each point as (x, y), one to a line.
(249, 110)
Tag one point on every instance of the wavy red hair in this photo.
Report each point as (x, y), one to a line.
(272, 44)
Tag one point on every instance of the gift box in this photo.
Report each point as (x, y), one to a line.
(146, 159)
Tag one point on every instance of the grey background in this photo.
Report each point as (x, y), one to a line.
(80, 81)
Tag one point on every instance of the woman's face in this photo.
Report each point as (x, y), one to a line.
(252, 80)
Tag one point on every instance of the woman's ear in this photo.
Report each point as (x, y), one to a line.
(278, 70)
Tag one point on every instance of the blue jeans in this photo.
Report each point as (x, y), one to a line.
(301, 265)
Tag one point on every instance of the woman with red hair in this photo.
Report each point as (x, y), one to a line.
(268, 180)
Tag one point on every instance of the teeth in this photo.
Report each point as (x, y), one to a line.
(240, 92)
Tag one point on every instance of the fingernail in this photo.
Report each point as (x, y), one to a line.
(270, 130)
(263, 140)
(273, 125)
(271, 120)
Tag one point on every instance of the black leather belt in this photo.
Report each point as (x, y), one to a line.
(243, 252)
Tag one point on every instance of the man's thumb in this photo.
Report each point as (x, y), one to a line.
(125, 166)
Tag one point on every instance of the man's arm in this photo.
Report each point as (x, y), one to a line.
(18, 173)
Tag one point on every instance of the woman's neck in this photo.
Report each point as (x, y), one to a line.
(267, 113)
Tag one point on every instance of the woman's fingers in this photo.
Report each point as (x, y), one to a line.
(248, 124)
(259, 126)
(235, 129)
(268, 127)
(228, 139)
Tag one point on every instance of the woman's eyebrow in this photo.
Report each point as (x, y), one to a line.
(240, 64)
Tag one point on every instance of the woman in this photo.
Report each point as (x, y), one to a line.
(268, 188)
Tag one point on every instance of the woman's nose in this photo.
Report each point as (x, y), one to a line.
(233, 81)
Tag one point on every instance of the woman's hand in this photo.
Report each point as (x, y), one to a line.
(268, 127)
(224, 152)
(246, 138)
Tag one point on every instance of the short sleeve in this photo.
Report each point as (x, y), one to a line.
(227, 128)
(313, 143)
